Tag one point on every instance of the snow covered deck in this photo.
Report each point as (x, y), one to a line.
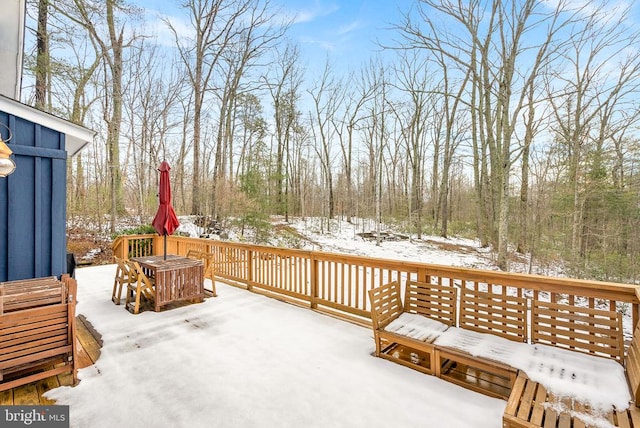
(245, 360)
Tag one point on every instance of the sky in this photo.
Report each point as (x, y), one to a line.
(345, 31)
(348, 31)
(244, 360)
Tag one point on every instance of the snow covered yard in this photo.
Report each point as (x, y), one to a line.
(244, 360)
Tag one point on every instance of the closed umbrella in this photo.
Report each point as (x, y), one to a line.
(165, 221)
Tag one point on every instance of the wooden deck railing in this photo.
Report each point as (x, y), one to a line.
(339, 283)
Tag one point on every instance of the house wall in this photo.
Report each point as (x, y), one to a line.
(33, 202)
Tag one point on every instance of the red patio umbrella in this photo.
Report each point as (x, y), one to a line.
(165, 221)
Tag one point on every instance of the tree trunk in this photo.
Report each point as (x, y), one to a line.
(42, 56)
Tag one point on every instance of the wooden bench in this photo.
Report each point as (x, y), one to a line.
(37, 330)
(404, 333)
(595, 332)
(492, 350)
(482, 315)
(632, 366)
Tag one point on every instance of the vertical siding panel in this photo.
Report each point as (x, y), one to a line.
(4, 210)
(21, 217)
(58, 259)
(4, 206)
(39, 206)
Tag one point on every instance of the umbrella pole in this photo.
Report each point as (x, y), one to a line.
(165, 246)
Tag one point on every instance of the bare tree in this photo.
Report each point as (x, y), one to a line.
(151, 105)
(105, 24)
(284, 89)
(42, 56)
(213, 23)
(228, 38)
(256, 34)
(327, 97)
(414, 119)
(375, 134)
(491, 42)
(355, 98)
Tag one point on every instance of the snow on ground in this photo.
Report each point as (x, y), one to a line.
(245, 360)
(340, 236)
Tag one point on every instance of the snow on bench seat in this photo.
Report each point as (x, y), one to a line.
(416, 327)
(484, 345)
(599, 381)
(568, 377)
(484, 318)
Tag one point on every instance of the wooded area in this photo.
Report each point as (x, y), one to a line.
(515, 122)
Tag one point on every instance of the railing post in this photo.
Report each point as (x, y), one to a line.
(249, 269)
(157, 245)
(314, 282)
(635, 312)
(125, 248)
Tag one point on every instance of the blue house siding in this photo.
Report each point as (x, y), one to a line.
(33, 202)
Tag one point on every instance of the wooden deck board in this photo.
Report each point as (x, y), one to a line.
(45, 385)
(89, 343)
(26, 395)
(6, 397)
(90, 340)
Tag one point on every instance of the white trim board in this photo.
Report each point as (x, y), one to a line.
(76, 136)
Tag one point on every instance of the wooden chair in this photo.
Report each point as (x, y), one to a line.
(194, 254)
(122, 279)
(207, 259)
(139, 286)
